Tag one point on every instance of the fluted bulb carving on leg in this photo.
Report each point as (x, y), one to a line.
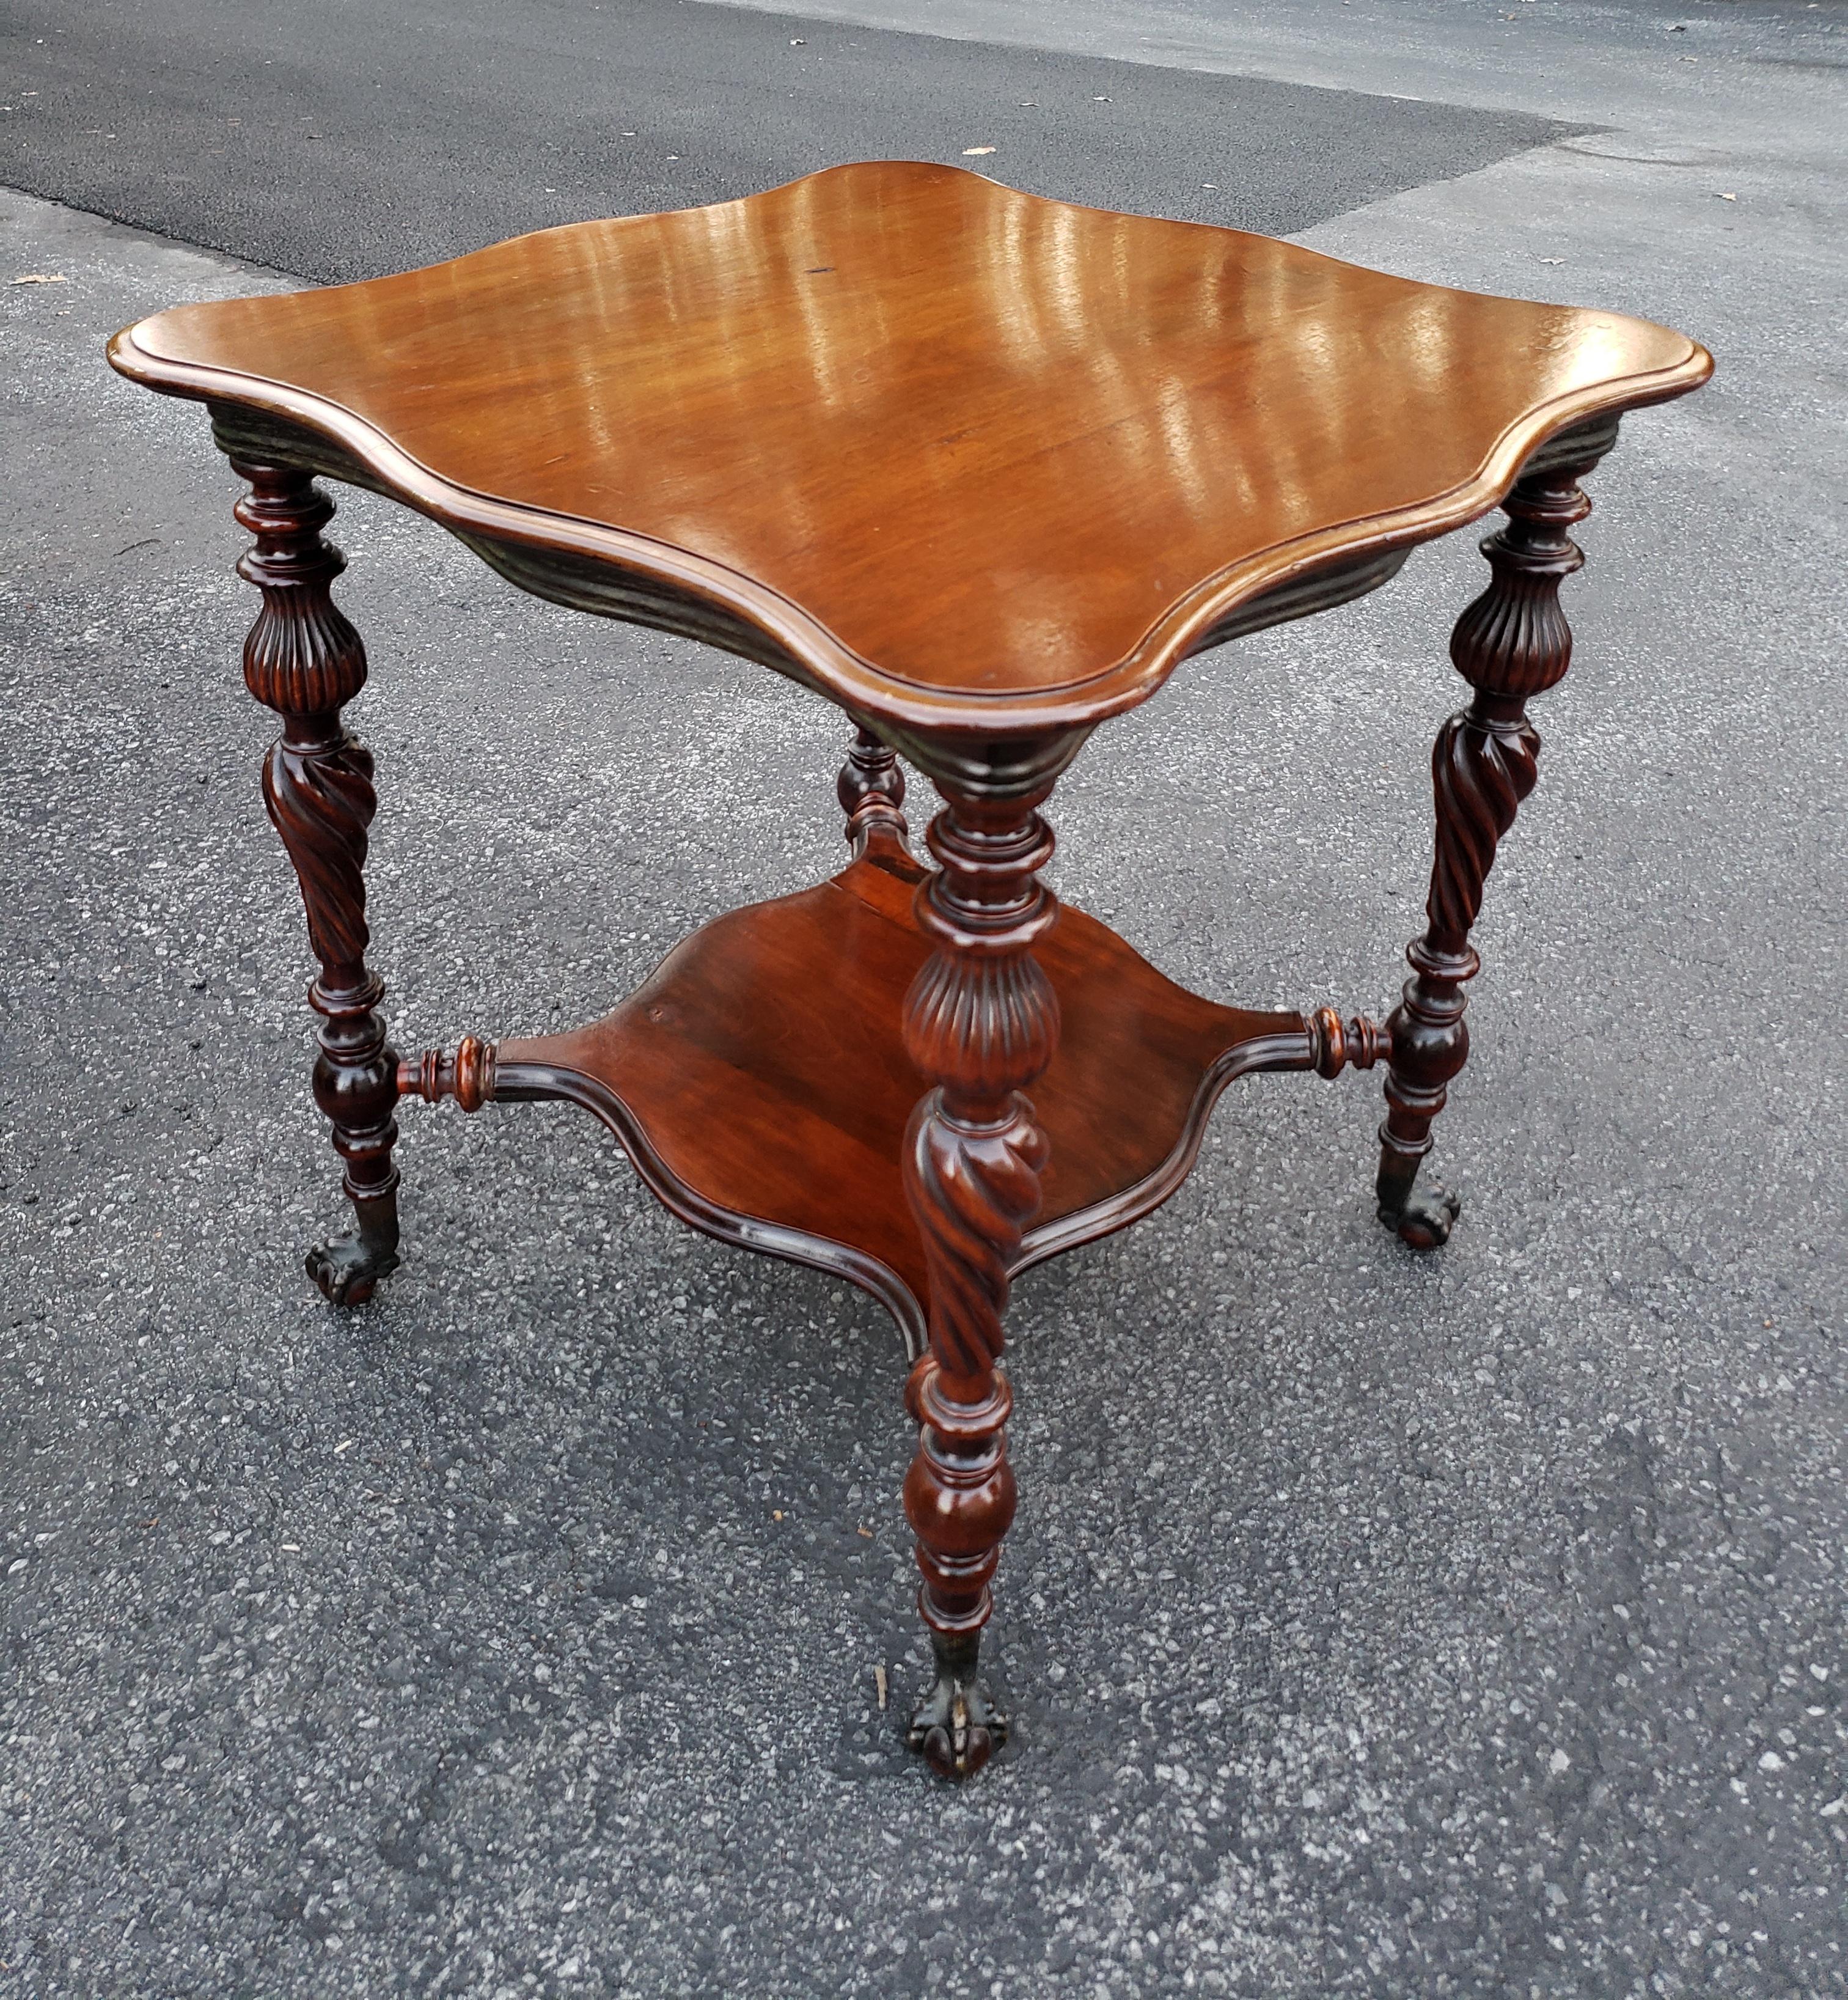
(981, 1020)
(305, 660)
(1511, 644)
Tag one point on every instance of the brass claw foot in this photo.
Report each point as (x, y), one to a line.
(347, 1268)
(957, 1727)
(1423, 1220)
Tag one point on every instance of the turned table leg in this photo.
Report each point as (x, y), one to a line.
(305, 660)
(981, 1020)
(871, 791)
(1511, 644)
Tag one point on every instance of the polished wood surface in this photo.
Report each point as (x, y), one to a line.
(1512, 643)
(982, 468)
(304, 659)
(982, 1021)
(760, 1079)
(960, 456)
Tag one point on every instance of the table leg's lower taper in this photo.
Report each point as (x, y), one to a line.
(1511, 644)
(306, 661)
(983, 1021)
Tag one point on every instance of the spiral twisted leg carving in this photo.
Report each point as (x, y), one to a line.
(320, 799)
(306, 661)
(871, 791)
(1510, 644)
(981, 1020)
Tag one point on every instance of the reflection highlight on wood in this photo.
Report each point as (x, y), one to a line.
(983, 469)
(303, 659)
(1512, 643)
(870, 418)
(759, 1079)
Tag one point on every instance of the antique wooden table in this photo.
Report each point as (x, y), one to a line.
(983, 470)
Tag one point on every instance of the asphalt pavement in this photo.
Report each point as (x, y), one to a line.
(1463, 1625)
(342, 141)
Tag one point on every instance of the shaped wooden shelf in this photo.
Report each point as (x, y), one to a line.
(983, 469)
(758, 1081)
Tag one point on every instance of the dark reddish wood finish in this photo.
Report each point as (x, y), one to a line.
(981, 1022)
(857, 429)
(964, 459)
(760, 1083)
(1511, 644)
(871, 791)
(758, 1080)
(306, 661)
(468, 1075)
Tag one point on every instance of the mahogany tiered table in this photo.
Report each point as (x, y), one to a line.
(983, 470)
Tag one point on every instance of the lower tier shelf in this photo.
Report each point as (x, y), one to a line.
(759, 1082)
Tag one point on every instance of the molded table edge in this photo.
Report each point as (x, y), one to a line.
(810, 651)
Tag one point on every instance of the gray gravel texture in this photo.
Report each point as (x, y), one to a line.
(1469, 1625)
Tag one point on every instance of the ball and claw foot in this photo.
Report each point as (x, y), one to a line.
(347, 1268)
(957, 1727)
(1423, 1220)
